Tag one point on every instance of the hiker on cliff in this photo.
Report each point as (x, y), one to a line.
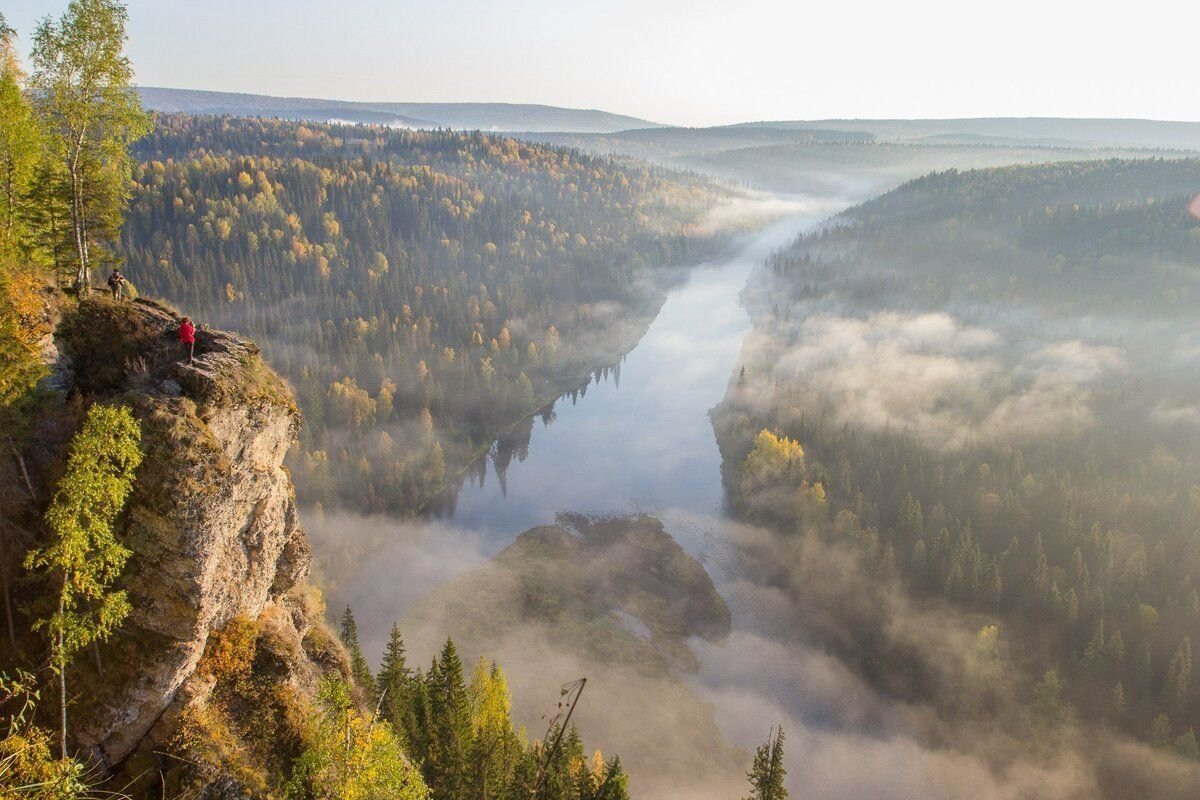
(116, 282)
(187, 338)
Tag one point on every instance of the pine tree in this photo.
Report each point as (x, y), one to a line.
(84, 556)
(47, 217)
(359, 668)
(767, 773)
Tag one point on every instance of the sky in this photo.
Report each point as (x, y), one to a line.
(691, 62)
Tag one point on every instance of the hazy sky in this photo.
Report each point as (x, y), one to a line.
(682, 61)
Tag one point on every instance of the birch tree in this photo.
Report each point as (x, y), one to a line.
(83, 557)
(84, 96)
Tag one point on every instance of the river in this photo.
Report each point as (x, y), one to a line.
(638, 439)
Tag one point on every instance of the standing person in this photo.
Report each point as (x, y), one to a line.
(187, 338)
(116, 282)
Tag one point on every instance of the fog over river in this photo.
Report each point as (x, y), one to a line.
(637, 439)
(640, 440)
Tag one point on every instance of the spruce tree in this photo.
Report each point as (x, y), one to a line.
(562, 768)
(395, 683)
(450, 737)
(1186, 746)
(767, 773)
(1179, 673)
(359, 668)
(615, 785)
(1160, 732)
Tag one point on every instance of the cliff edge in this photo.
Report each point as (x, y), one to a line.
(212, 521)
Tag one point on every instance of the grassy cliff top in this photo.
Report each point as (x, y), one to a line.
(116, 347)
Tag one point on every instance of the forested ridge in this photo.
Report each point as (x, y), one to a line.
(984, 382)
(1080, 237)
(423, 290)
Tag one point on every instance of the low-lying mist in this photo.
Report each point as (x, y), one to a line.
(923, 739)
(988, 508)
(800, 606)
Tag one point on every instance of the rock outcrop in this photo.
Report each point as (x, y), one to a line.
(212, 522)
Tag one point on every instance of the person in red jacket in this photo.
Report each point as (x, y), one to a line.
(187, 337)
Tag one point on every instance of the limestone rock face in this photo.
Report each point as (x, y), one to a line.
(212, 522)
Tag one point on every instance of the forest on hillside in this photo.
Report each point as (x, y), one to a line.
(422, 290)
(984, 383)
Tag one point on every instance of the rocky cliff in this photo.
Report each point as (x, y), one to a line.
(212, 522)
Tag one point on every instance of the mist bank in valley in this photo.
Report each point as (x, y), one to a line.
(856, 162)
(971, 401)
(612, 599)
(1029, 131)
(894, 696)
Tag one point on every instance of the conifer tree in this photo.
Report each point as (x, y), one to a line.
(46, 216)
(1117, 702)
(359, 667)
(395, 683)
(20, 144)
(615, 785)
(767, 773)
(1186, 745)
(450, 737)
(84, 556)
(564, 767)
(421, 720)
(1179, 674)
(1160, 732)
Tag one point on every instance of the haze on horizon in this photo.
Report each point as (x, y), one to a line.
(699, 62)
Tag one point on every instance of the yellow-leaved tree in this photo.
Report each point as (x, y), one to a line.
(83, 557)
(494, 747)
(351, 757)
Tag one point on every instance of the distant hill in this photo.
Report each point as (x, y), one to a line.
(664, 142)
(805, 158)
(459, 116)
(1046, 131)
